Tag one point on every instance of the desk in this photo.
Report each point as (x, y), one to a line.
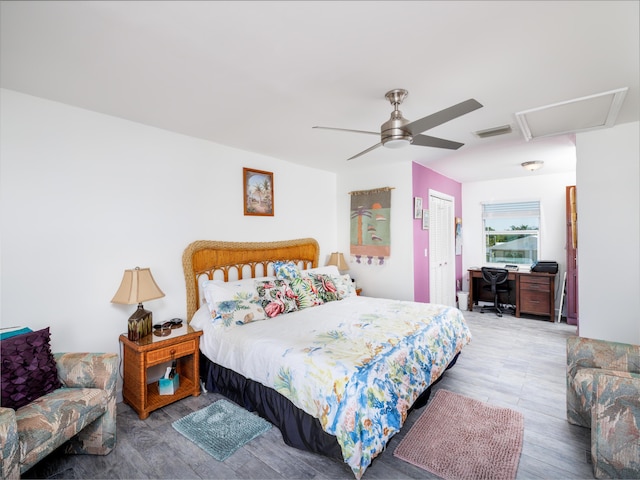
(534, 292)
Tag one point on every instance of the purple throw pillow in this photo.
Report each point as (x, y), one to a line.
(28, 368)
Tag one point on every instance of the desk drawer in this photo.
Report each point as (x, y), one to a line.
(536, 284)
(535, 302)
(169, 353)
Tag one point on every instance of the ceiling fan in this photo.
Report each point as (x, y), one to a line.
(398, 131)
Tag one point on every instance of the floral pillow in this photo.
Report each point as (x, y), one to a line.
(247, 284)
(286, 270)
(345, 286)
(306, 292)
(276, 297)
(233, 304)
(325, 286)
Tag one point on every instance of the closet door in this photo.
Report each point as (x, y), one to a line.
(442, 283)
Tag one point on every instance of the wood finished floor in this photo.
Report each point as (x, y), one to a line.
(512, 362)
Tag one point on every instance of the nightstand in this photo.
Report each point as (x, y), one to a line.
(181, 345)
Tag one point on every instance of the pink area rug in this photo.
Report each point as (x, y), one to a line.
(457, 437)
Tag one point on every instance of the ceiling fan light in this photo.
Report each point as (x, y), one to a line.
(533, 165)
(397, 142)
(393, 133)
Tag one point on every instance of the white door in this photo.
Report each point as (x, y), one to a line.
(442, 260)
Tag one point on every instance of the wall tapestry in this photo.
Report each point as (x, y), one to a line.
(370, 230)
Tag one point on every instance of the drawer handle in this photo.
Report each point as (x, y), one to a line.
(172, 352)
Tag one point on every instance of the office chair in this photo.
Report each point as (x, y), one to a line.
(496, 279)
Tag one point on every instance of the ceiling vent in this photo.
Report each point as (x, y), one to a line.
(492, 132)
(577, 115)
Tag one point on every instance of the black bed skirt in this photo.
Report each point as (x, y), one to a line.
(299, 429)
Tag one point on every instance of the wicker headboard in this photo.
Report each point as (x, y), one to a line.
(209, 259)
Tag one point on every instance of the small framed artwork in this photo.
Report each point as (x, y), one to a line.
(258, 192)
(417, 207)
(425, 219)
(458, 236)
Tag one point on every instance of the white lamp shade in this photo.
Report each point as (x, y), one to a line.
(338, 260)
(137, 286)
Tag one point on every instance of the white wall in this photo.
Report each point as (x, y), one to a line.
(608, 195)
(85, 196)
(394, 279)
(549, 189)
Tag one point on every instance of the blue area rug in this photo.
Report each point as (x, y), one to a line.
(221, 428)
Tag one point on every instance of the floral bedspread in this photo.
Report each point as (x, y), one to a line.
(357, 364)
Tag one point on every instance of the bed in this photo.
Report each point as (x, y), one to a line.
(337, 373)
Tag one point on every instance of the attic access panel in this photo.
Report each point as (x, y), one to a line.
(577, 115)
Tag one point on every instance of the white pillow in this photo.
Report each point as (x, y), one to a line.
(233, 303)
(245, 284)
(201, 318)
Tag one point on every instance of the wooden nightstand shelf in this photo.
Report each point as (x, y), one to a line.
(181, 345)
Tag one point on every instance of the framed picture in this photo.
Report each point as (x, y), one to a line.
(417, 207)
(458, 236)
(258, 192)
(425, 219)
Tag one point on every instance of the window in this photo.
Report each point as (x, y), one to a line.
(511, 232)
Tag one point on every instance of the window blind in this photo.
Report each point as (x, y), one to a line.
(512, 209)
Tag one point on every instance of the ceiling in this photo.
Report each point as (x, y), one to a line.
(258, 76)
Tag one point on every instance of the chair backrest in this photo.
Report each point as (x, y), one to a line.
(494, 276)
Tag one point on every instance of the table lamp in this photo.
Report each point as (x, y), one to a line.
(138, 286)
(337, 259)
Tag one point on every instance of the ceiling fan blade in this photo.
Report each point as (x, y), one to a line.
(348, 130)
(430, 121)
(427, 141)
(366, 151)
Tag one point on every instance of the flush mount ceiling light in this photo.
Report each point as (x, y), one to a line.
(577, 115)
(533, 165)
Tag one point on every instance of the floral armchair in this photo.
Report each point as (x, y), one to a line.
(81, 414)
(603, 393)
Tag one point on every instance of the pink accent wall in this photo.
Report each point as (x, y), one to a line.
(424, 179)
